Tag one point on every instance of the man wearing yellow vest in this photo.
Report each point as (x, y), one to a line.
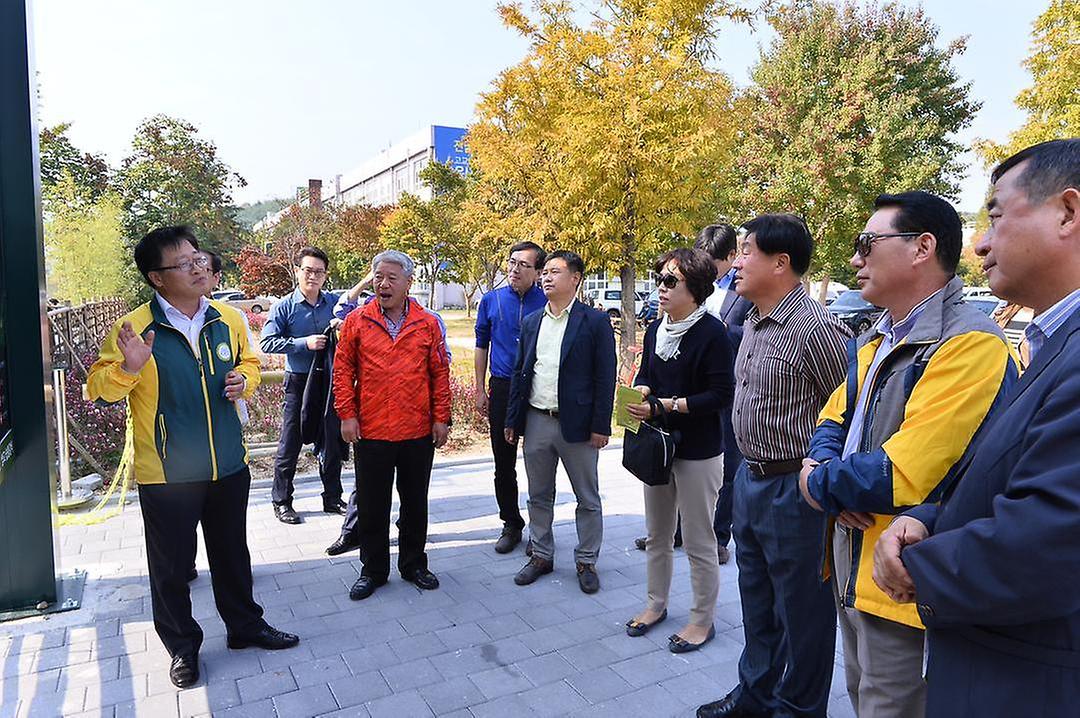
(182, 362)
(919, 386)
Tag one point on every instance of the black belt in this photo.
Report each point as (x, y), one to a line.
(553, 413)
(765, 469)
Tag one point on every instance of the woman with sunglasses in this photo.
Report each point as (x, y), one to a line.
(687, 365)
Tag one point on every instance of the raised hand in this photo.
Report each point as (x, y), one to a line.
(136, 349)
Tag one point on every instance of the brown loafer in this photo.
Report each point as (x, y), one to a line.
(534, 569)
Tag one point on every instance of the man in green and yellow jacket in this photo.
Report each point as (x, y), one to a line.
(919, 387)
(182, 361)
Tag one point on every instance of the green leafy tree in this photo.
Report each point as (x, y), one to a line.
(60, 159)
(173, 176)
(83, 248)
(1052, 102)
(611, 138)
(430, 231)
(848, 102)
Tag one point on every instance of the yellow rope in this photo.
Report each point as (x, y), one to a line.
(97, 515)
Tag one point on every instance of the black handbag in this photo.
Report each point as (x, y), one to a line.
(649, 453)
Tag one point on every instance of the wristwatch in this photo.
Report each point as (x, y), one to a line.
(675, 404)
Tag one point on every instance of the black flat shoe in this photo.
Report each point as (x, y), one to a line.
(677, 644)
(286, 515)
(727, 707)
(268, 638)
(338, 507)
(638, 628)
(423, 579)
(344, 544)
(184, 670)
(640, 543)
(364, 587)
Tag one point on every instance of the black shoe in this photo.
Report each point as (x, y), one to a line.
(268, 638)
(364, 587)
(534, 569)
(640, 543)
(338, 507)
(184, 671)
(192, 574)
(678, 644)
(727, 707)
(344, 544)
(587, 578)
(638, 628)
(286, 515)
(423, 579)
(508, 539)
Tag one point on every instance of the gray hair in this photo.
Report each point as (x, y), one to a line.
(394, 257)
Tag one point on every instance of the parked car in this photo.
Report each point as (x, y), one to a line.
(986, 305)
(227, 294)
(978, 292)
(650, 308)
(850, 308)
(255, 305)
(608, 299)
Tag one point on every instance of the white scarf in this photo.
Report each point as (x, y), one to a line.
(669, 334)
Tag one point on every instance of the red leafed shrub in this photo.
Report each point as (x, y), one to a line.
(99, 429)
(470, 426)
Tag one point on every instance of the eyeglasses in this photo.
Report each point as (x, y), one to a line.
(515, 264)
(865, 241)
(313, 273)
(201, 261)
(667, 280)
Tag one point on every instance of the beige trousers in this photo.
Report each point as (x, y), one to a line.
(692, 494)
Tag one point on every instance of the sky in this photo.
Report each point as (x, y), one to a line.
(290, 90)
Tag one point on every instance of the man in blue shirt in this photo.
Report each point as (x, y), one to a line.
(296, 328)
(498, 327)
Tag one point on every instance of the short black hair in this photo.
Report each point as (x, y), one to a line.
(215, 261)
(718, 240)
(1053, 166)
(920, 211)
(312, 252)
(783, 234)
(539, 254)
(697, 269)
(148, 250)
(573, 260)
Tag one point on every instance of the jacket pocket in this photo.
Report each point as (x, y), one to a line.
(162, 437)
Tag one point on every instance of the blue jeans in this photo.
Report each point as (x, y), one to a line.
(789, 618)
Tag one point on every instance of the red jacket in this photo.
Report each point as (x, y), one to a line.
(396, 387)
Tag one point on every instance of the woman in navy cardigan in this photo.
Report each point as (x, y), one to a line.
(687, 364)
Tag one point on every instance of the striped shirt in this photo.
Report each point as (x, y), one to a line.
(789, 363)
(1042, 327)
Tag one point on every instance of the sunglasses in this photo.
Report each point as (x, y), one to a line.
(865, 241)
(667, 280)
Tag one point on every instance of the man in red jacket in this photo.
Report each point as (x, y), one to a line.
(392, 392)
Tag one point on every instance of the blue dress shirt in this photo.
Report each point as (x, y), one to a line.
(292, 319)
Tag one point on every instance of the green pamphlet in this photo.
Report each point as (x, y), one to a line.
(625, 396)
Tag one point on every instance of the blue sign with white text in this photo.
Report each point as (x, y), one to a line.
(449, 144)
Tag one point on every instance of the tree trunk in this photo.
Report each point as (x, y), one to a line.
(628, 335)
(823, 291)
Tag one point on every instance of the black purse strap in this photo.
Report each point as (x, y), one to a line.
(660, 414)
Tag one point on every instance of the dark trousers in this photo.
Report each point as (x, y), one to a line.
(289, 445)
(376, 463)
(732, 459)
(789, 618)
(170, 513)
(505, 455)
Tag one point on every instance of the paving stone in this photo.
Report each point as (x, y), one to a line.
(306, 702)
(359, 689)
(451, 695)
(599, 684)
(266, 685)
(414, 647)
(210, 698)
(399, 705)
(553, 699)
(413, 674)
(497, 682)
(545, 669)
(319, 671)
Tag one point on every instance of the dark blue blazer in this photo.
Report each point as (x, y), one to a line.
(998, 582)
(733, 313)
(586, 374)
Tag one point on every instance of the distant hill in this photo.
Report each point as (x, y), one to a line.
(249, 214)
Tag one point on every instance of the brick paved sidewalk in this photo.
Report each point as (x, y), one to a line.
(479, 646)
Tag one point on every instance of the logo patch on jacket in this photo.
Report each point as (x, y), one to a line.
(224, 352)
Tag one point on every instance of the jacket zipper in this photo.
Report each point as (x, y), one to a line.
(164, 435)
(206, 394)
